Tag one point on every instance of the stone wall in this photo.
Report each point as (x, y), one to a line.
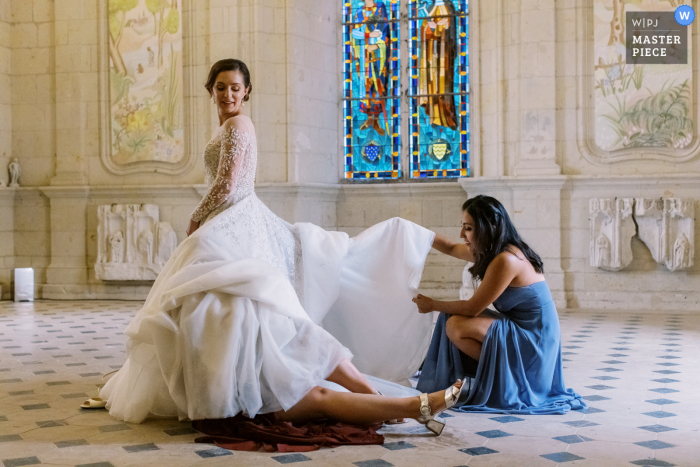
(5, 88)
(7, 240)
(644, 284)
(33, 41)
(295, 92)
(43, 219)
(52, 74)
(530, 107)
(6, 197)
(552, 215)
(531, 148)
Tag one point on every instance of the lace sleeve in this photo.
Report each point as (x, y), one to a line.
(233, 143)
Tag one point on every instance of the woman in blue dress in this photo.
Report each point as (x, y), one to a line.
(518, 349)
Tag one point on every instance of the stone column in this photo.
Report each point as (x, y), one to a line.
(76, 90)
(489, 87)
(255, 31)
(7, 240)
(532, 53)
(68, 240)
(5, 90)
(7, 195)
(313, 89)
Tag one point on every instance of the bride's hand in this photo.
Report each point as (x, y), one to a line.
(425, 304)
(192, 228)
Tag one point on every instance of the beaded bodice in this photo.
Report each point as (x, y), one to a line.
(230, 160)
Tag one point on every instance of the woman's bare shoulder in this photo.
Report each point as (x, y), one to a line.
(506, 260)
(240, 123)
(516, 261)
(512, 261)
(511, 254)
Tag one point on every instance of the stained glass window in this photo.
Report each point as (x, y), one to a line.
(436, 116)
(438, 88)
(371, 89)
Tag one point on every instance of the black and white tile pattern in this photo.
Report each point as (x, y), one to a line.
(638, 372)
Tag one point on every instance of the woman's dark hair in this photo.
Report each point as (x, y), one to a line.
(494, 233)
(229, 64)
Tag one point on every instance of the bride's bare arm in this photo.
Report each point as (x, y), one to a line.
(233, 142)
(452, 248)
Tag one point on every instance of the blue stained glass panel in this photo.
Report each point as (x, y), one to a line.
(371, 89)
(438, 88)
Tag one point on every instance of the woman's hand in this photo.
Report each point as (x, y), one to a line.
(425, 304)
(192, 228)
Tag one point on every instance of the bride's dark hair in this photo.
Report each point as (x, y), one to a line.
(229, 64)
(494, 233)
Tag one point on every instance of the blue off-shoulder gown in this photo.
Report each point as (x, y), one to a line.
(520, 368)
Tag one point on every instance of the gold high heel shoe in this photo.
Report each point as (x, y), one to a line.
(430, 419)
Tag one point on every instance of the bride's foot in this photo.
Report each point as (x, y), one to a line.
(437, 400)
(435, 403)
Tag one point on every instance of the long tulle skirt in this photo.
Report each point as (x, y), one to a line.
(250, 313)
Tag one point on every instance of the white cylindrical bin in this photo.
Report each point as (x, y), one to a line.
(24, 285)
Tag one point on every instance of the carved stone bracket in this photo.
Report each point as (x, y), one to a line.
(612, 229)
(132, 243)
(667, 227)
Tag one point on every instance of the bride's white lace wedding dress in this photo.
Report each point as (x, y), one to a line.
(251, 312)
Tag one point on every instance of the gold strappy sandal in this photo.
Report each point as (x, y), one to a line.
(431, 420)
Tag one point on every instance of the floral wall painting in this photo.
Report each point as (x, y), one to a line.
(145, 81)
(638, 106)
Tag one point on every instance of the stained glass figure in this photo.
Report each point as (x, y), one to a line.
(371, 89)
(438, 88)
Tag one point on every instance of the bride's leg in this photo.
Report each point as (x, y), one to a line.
(346, 375)
(358, 409)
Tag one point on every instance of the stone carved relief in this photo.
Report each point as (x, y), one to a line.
(665, 225)
(612, 229)
(681, 232)
(132, 243)
(667, 228)
(116, 247)
(538, 133)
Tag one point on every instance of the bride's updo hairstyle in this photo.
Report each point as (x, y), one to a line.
(494, 233)
(229, 64)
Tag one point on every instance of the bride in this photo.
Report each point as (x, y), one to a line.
(249, 313)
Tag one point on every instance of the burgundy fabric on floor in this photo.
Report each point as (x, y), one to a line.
(241, 433)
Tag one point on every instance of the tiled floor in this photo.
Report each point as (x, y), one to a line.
(639, 373)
